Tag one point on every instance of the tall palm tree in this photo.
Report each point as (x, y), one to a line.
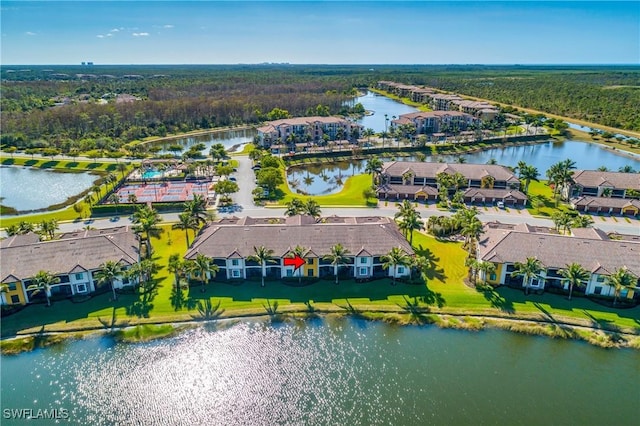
(406, 208)
(337, 257)
(301, 252)
(311, 208)
(146, 221)
(42, 282)
(396, 257)
(471, 231)
(108, 273)
(486, 268)
(528, 270)
(575, 275)
(186, 222)
(409, 223)
(202, 266)
(620, 280)
(115, 200)
(294, 207)
(529, 173)
(178, 267)
(374, 167)
(197, 209)
(263, 256)
(48, 227)
(582, 221)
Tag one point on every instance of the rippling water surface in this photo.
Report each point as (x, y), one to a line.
(329, 371)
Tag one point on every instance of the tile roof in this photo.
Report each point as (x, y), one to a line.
(556, 251)
(406, 189)
(376, 235)
(65, 255)
(495, 193)
(595, 178)
(606, 202)
(468, 170)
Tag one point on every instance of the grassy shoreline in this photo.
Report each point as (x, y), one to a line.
(443, 299)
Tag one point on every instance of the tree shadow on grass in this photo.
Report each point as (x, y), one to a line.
(498, 301)
(433, 298)
(180, 299)
(8, 161)
(94, 166)
(31, 162)
(71, 165)
(49, 164)
(110, 324)
(602, 324)
(546, 313)
(433, 273)
(141, 307)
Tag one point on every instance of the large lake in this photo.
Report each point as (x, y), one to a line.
(329, 372)
(25, 188)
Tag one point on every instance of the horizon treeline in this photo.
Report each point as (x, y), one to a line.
(69, 107)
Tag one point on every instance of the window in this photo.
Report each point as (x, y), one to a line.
(493, 277)
(597, 290)
(289, 273)
(235, 273)
(600, 278)
(309, 261)
(309, 272)
(363, 260)
(400, 269)
(79, 276)
(363, 271)
(15, 299)
(12, 287)
(235, 262)
(81, 288)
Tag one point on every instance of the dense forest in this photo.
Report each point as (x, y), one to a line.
(105, 107)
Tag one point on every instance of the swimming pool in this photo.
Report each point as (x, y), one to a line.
(152, 174)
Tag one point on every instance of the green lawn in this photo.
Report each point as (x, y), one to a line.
(549, 207)
(351, 194)
(443, 293)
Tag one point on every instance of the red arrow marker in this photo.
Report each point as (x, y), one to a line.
(296, 261)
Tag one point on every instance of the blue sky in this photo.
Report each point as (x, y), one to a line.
(324, 32)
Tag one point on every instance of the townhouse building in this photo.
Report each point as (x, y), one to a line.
(231, 242)
(505, 244)
(74, 259)
(433, 122)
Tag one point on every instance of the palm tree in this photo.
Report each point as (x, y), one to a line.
(25, 227)
(575, 275)
(421, 264)
(109, 271)
(48, 227)
(186, 222)
(374, 167)
(114, 199)
(529, 173)
(294, 207)
(202, 266)
(146, 221)
(263, 256)
(337, 257)
(409, 223)
(197, 209)
(620, 280)
(311, 208)
(529, 270)
(471, 230)
(626, 169)
(177, 267)
(43, 282)
(301, 252)
(486, 268)
(132, 198)
(396, 257)
(582, 221)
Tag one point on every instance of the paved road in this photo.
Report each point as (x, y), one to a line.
(622, 226)
(246, 181)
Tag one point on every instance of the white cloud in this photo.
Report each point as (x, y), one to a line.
(100, 36)
(29, 33)
(115, 30)
(109, 35)
(140, 34)
(168, 26)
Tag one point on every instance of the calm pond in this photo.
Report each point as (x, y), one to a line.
(329, 178)
(25, 188)
(329, 372)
